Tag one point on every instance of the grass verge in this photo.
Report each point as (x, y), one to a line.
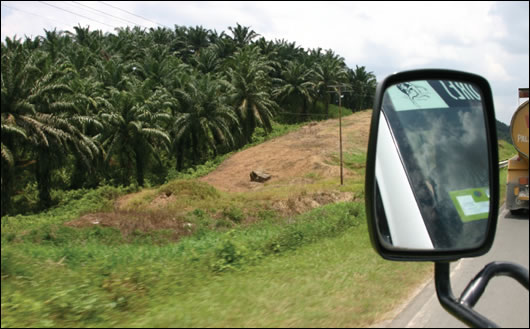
(315, 269)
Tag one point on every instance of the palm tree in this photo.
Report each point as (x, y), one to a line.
(206, 121)
(224, 47)
(55, 43)
(86, 38)
(208, 61)
(161, 36)
(12, 137)
(267, 48)
(82, 60)
(89, 100)
(114, 74)
(198, 38)
(328, 72)
(242, 35)
(288, 51)
(135, 128)
(296, 89)
(364, 84)
(128, 43)
(250, 90)
(156, 64)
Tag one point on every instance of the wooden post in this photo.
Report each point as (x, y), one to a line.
(340, 136)
(338, 90)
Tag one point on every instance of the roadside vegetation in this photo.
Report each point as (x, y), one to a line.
(226, 264)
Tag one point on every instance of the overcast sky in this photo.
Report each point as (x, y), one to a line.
(487, 38)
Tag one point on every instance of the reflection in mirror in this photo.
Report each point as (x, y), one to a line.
(432, 166)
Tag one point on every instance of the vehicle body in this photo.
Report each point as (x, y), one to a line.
(517, 177)
(432, 179)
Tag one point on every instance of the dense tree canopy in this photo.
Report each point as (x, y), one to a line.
(115, 108)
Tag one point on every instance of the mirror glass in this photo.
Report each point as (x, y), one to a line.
(431, 165)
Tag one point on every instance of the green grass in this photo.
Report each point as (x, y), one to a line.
(503, 172)
(506, 150)
(57, 276)
(335, 111)
(335, 282)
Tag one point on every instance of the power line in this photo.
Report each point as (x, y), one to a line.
(128, 12)
(104, 13)
(71, 12)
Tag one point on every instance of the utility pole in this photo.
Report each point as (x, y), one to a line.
(338, 90)
(340, 137)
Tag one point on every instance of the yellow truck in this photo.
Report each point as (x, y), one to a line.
(517, 179)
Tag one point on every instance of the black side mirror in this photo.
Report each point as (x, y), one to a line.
(432, 180)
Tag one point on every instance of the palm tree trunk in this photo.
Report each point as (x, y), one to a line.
(139, 167)
(195, 149)
(327, 106)
(8, 174)
(304, 109)
(79, 175)
(180, 156)
(43, 176)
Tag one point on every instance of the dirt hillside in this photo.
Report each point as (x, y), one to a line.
(291, 158)
(295, 161)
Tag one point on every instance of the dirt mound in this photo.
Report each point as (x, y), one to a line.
(288, 158)
(299, 204)
(133, 223)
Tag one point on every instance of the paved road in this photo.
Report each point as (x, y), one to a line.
(505, 301)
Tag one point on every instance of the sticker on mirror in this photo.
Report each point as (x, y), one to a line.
(415, 95)
(471, 204)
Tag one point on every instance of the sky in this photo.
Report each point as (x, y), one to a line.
(490, 39)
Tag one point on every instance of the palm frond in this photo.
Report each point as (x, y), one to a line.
(7, 156)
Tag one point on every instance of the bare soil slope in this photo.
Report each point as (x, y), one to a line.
(291, 158)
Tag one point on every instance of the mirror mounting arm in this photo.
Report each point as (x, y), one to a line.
(445, 295)
(462, 308)
(476, 287)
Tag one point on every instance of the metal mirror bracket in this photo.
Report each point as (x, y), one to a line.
(462, 308)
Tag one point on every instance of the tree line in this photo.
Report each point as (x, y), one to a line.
(85, 108)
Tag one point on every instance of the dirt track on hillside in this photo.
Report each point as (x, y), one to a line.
(291, 158)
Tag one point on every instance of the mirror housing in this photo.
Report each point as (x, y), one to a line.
(476, 90)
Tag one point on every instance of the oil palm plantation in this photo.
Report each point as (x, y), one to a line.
(139, 90)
